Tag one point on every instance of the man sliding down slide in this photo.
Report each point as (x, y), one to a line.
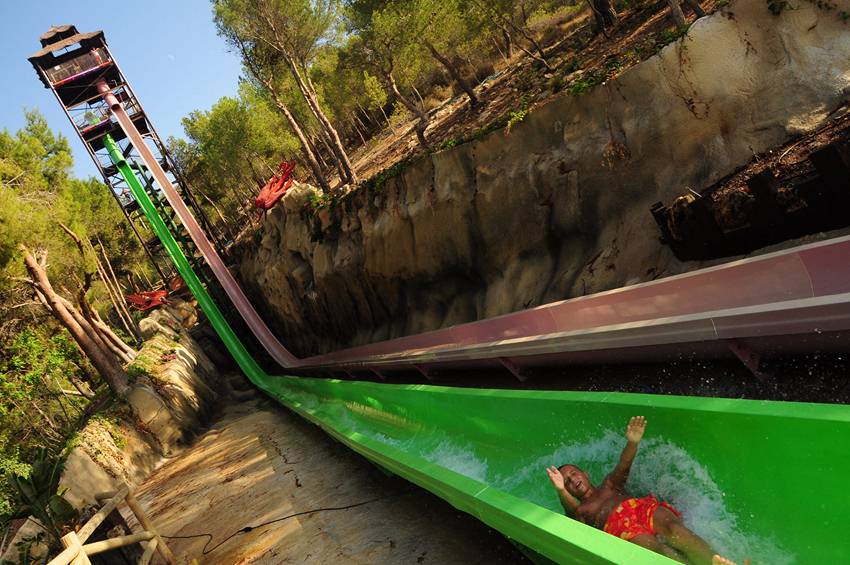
(638, 520)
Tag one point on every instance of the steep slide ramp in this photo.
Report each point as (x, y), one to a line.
(760, 480)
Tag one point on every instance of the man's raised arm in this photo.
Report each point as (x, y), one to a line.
(634, 433)
(568, 501)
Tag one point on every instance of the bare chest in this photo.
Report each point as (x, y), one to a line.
(595, 510)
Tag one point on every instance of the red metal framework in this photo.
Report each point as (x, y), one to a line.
(276, 187)
(147, 300)
(71, 64)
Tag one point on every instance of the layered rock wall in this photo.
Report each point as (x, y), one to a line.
(172, 397)
(558, 206)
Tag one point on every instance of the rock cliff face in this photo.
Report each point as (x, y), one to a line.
(559, 206)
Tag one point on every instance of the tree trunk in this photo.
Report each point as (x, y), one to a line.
(134, 329)
(335, 143)
(110, 370)
(419, 96)
(454, 72)
(104, 336)
(369, 118)
(504, 23)
(524, 13)
(357, 129)
(83, 388)
(694, 4)
(676, 12)
(147, 279)
(509, 44)
(340, 167)
(246, 208)
(386, 119)
(422, 123)
(309, 156)
(307, 153)
(326, 169)
(310, 96)
(258, 178)
(102, 272)
(106, 332)
(226, 228)
(132, 282)
(604, 14)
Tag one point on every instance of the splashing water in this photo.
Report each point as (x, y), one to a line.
(435, 447)
(441, 450)
(663, 469)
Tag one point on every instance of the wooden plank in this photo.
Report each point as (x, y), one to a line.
(88, 529)
(115, 543)
(69, 553)
(72, 541)
(149, 551)
(161, 547)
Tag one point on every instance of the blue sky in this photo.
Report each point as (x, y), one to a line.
(168, 49)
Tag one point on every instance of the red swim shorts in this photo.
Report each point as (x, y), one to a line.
(633, 517)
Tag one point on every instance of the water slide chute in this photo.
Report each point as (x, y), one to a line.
(759, 479)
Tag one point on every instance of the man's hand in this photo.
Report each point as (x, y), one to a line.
(557, 479)
(635, 429)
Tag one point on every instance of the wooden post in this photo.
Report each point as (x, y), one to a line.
(149, 551)
(72, 541)
(114, 543)
(161, 547)
(96, 520)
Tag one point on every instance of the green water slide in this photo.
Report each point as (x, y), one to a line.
(757, 479)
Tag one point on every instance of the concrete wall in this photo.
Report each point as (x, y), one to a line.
(559, 206)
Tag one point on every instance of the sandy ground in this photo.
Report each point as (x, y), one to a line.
(260, 462)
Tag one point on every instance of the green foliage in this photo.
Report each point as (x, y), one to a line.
(374, 90)
(668, 36)
(231, 149)
(136, 371)
(110, 424)
(318, 200)
(586, 82)
(449, 143)
(484, 131)
(610, 68)
(10, 463)
(41, 368)
(517, 115)
(379, 181)
(558, 80)
(26, 545)
(36, 494)
(34, 367)
(776, 7)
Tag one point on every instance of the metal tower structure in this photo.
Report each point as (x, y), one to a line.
(75, 67)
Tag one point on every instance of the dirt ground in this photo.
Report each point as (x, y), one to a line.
(260, 463)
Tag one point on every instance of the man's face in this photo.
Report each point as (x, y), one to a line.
(576, 481)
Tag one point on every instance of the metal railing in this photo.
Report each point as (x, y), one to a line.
(77, 551)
